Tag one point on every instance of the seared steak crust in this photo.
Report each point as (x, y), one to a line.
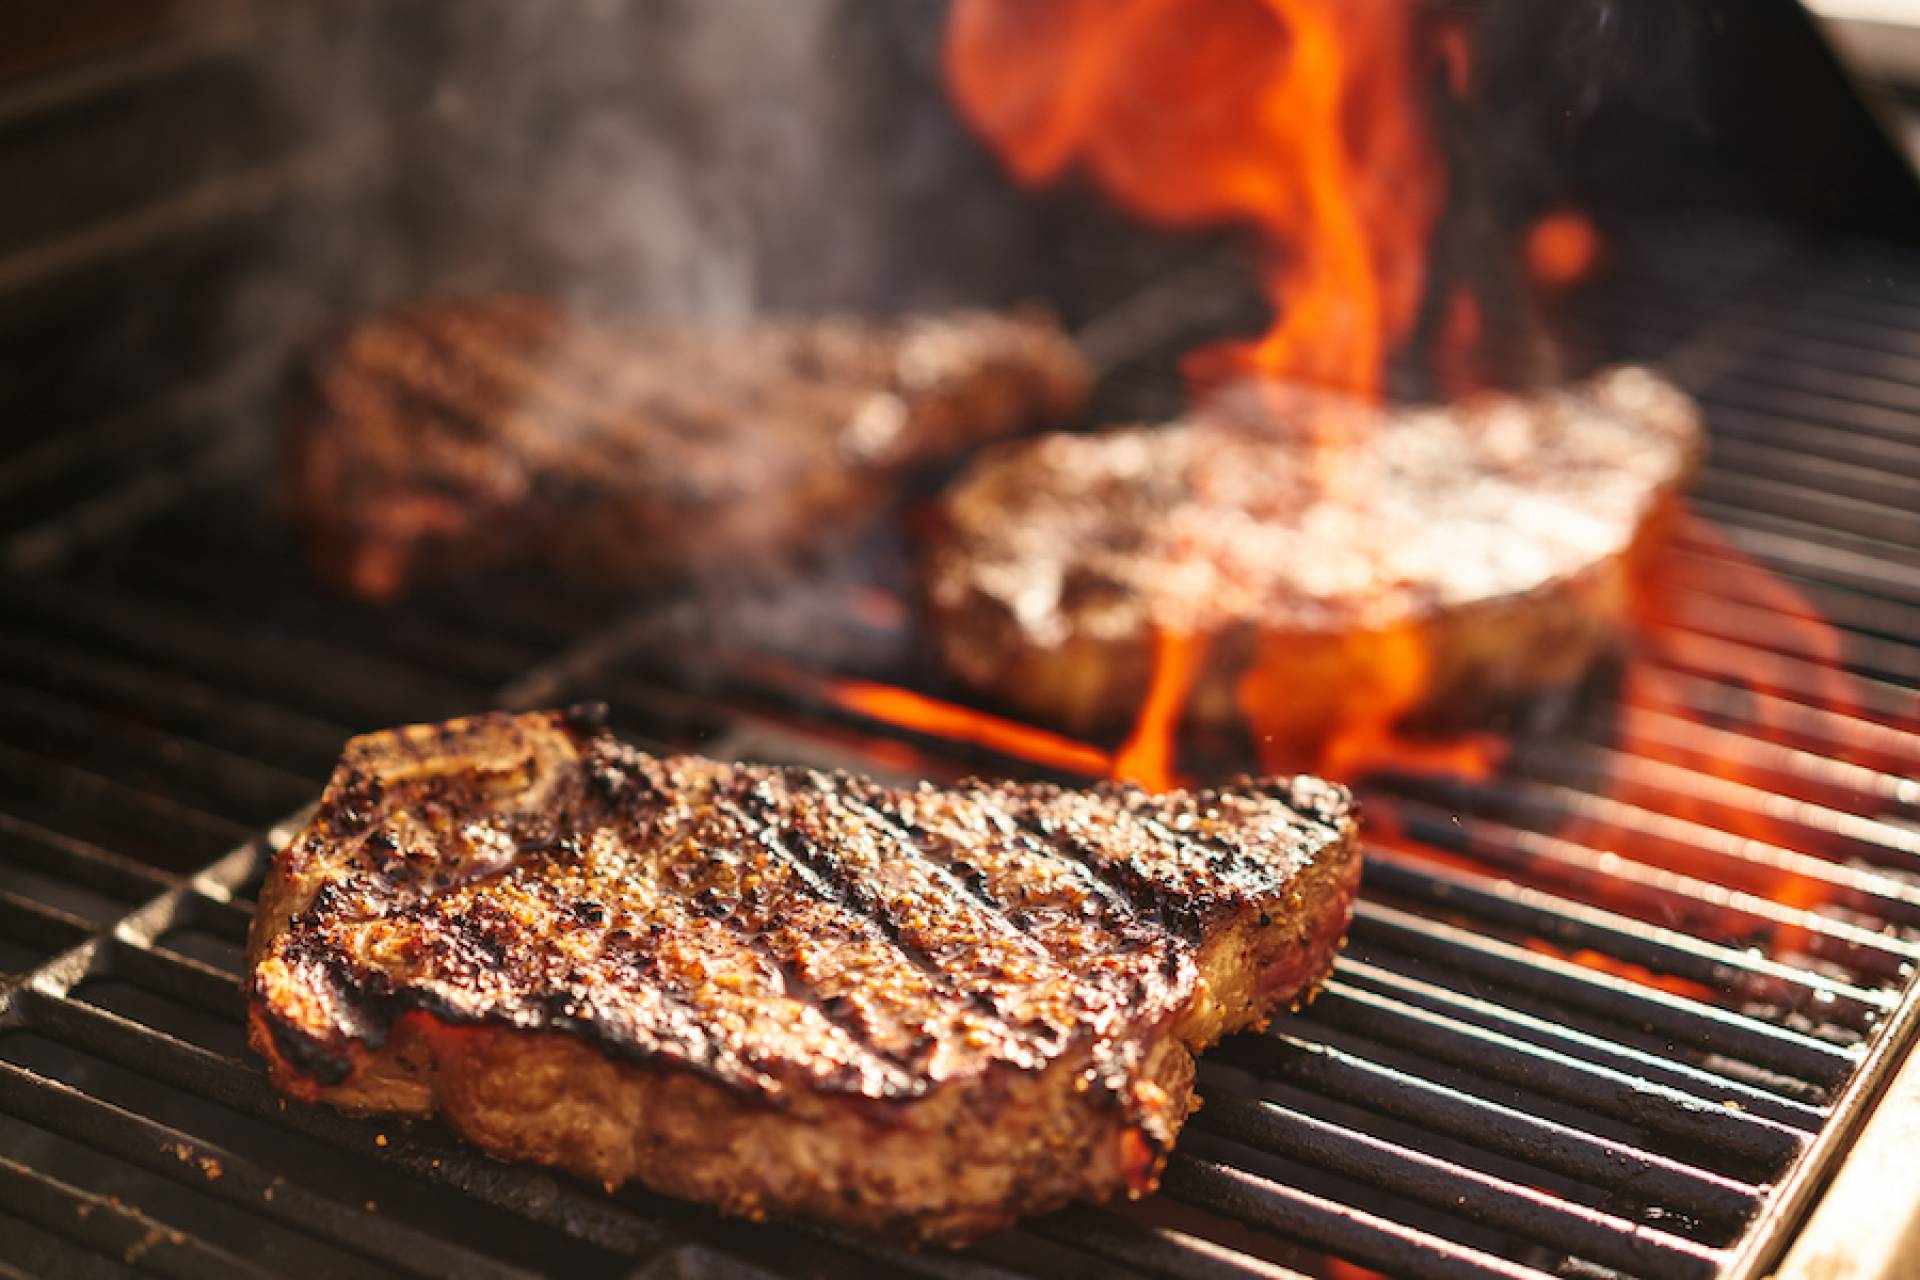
(455, 435)
(926, 1011)
(1475, 551)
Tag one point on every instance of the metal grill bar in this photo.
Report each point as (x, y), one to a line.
(175, 1154)
(1372, 1240)
(35, 846)
(1642, 1102)
(1635, 1175)
(1688, 1022)
(1158, 1251)
(1580, 1045)
(1659, 893)
(1572, 924)
(224, 1080)
(1738, 861)
(101, 1225)
(1510, 1206)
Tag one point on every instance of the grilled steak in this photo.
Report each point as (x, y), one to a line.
(459, 435)
(926, 1012)
(1435, 560)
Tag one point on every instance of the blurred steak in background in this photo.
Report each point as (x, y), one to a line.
(450, 437)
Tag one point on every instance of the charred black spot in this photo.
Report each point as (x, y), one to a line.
(606, 780)
(307, 1055)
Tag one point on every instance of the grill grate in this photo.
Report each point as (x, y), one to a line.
(1589, 1022)
(1576, 1021)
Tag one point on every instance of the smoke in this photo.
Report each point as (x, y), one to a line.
(705, 159)
(1546, 71)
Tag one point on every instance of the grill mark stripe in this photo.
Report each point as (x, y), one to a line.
(798, 987)
(409, 400)
(1046, 1036)
(1116, 897)
(669, 995)
(1132, 893)
(648, 771)
(1126, 923)
(642, 791)
(830, 882)
(910, 838)
(1122, 931)
(362, 989)
(411, 392)
(1148, 900)
(1032, 1034)
(451, 369)
(1247, 875)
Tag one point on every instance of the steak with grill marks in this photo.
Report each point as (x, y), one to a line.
(1337, 559)
(926, 1012)
(459, 435)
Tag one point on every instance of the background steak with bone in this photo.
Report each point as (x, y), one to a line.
(451, 436)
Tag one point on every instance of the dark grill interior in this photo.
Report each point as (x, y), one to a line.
(1614, 1010)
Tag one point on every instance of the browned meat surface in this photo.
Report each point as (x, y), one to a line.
(927, 1012)
(456, 435)
(1479, 551)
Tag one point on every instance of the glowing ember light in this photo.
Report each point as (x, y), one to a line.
(1304, 119)
(1562, 249)
(1462, 326)
(956, 723)
(1148, 755)
(1601, 962)
(1361, 720)
(1341, 1269)
(1456, 56)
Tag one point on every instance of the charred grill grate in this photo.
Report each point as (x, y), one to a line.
(1612, 1011)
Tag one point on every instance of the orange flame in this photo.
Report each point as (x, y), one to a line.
(1346, 726)
(1457, 347)
(1303, 119)
(1800, 664)
(1562, 249)
(1148, 755)
(1601, 962)
(956, 723)
(1341, 1269)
